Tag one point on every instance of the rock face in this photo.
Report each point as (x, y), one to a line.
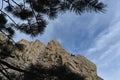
(53, 55)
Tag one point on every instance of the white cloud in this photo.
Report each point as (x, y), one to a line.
(105, 51)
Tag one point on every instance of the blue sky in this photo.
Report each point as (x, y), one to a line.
(96, 36)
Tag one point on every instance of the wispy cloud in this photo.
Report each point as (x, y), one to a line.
(105, 51)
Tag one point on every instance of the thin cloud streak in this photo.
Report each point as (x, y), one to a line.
(105, 50)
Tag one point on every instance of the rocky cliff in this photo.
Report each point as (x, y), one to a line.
(55, 61)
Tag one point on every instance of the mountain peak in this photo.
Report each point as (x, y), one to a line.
(23, 41)
(52, 56)
(54, 45)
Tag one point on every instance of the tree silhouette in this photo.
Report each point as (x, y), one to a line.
(38, 72)
(31, 14)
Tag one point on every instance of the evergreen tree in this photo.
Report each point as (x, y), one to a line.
(32, 13)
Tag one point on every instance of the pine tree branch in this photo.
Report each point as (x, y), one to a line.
(9, 17)
(16, 3)
(8, 37)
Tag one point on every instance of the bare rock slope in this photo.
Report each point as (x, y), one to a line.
(53, 55)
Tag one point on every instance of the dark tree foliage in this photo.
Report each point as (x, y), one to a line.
(32, 13)
(5, 48)
(32, 16)
(38, 72)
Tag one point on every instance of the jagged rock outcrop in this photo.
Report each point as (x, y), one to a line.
(53, 55)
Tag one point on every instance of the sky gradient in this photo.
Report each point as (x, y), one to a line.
(96, 36)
